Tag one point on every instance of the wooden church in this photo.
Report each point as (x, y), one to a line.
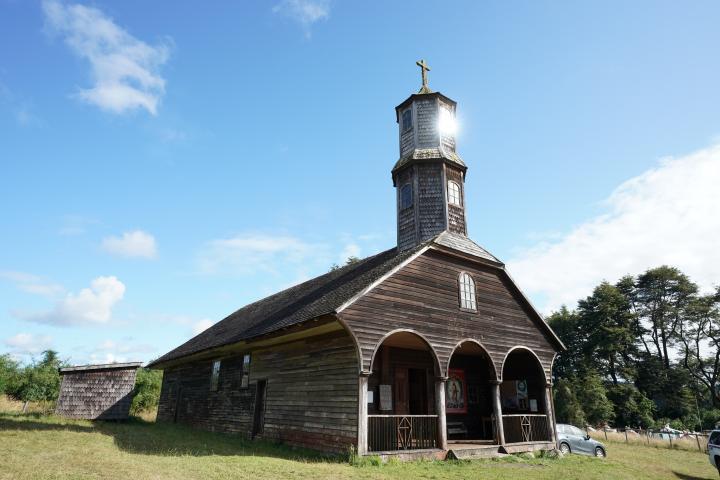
(426, 349)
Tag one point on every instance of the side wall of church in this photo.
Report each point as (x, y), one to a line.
(310, 401)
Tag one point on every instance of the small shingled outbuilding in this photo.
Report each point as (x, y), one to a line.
(97, 392)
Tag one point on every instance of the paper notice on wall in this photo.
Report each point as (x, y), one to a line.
(385, 397)
(370, 396)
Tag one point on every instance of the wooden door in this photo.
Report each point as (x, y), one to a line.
(402, 391)
(259, 413)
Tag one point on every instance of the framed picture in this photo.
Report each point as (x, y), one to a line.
(456, 392)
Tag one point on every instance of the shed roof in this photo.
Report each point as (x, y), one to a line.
(104, 366)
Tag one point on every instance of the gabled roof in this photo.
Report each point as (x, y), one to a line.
(320, 296)
(305, 301)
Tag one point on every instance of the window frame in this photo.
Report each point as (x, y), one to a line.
(472, 290)
(409, 126)
(215, 375)
(245, 374)
(459, 202)
(405, 186)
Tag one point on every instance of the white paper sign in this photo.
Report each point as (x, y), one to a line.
(370, 396)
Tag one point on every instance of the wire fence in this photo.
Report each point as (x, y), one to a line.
(654, 438)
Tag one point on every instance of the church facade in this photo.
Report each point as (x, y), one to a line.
(428, 348)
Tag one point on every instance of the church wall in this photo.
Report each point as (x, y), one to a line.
(423, 296)
(426, 124)
(311, 393)
(431, 200)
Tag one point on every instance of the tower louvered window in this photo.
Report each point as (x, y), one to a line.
(467, 292)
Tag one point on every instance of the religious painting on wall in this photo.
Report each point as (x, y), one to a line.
(456, 392)
(522, 394)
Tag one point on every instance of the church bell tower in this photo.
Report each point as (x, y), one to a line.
(429, 177)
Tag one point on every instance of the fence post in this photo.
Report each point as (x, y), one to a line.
(626, 440)
(697, 439)
(605, 430)
(647, 436)
(670, 437)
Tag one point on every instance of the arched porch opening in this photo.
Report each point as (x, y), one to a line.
(469, 395)
(523, 394)
(401, 403)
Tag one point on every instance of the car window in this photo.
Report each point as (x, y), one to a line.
(577, 431)
(560, 428)
(714, 438)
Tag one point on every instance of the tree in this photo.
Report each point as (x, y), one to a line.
(39, 381)
(608, 322)
(567, 406)
(632, 408)
(350, 260)
(147, 390)
(8, 372)
(662, 295)
(592, 397)
(699, 335)
(566, 325)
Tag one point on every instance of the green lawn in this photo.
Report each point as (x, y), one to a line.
(41, 447)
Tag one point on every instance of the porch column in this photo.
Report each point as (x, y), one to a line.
(440, 411)
(550, 407)
(362, 437)
(497, 410)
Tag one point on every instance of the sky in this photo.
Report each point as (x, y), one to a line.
(164, 163)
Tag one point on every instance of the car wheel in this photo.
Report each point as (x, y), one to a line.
(565, 448)
(599, 452)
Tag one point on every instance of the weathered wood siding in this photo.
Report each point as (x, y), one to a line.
(312, 392)
(310, 401)
(186, 397)
(423, 296)
(431, 200)
(96, 394)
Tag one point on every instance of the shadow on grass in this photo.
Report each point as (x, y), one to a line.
(684, 476)
(147, 438)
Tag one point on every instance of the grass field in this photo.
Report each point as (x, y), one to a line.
(37, 446)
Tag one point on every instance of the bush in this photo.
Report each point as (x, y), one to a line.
(146, 394)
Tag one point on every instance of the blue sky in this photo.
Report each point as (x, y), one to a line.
(164, 163)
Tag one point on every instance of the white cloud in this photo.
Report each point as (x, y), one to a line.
(253, 253)
(350, 250)
(125, 70)
(111, 351)
(90, 306)
(667, 215)
(28, 344)
(30, 283)
(202, 325)
(304, 12)
(131, 244)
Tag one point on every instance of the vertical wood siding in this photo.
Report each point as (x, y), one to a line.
(423, 296)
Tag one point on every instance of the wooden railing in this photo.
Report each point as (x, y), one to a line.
(402, 432)
(526, 428)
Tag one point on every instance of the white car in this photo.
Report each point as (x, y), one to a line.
(714, 449)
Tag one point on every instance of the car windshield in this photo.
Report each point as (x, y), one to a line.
(714, 438)
(576, 431)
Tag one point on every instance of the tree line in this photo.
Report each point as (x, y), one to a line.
(643, 352)
(39, 381)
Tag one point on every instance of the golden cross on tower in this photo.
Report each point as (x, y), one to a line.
(424, 69)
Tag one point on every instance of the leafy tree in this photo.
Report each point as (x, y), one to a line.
(567, 406)
(147, 390)
(608, 322)
(661, 296)
(350, 260)
(699, 336)
(566, 325)
(8, 372)
(632, 408)
(39, 381)
(592, 397)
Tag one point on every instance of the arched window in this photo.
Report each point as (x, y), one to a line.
(454, 194)
(406, 120)
(406, 199)
(467, 292)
